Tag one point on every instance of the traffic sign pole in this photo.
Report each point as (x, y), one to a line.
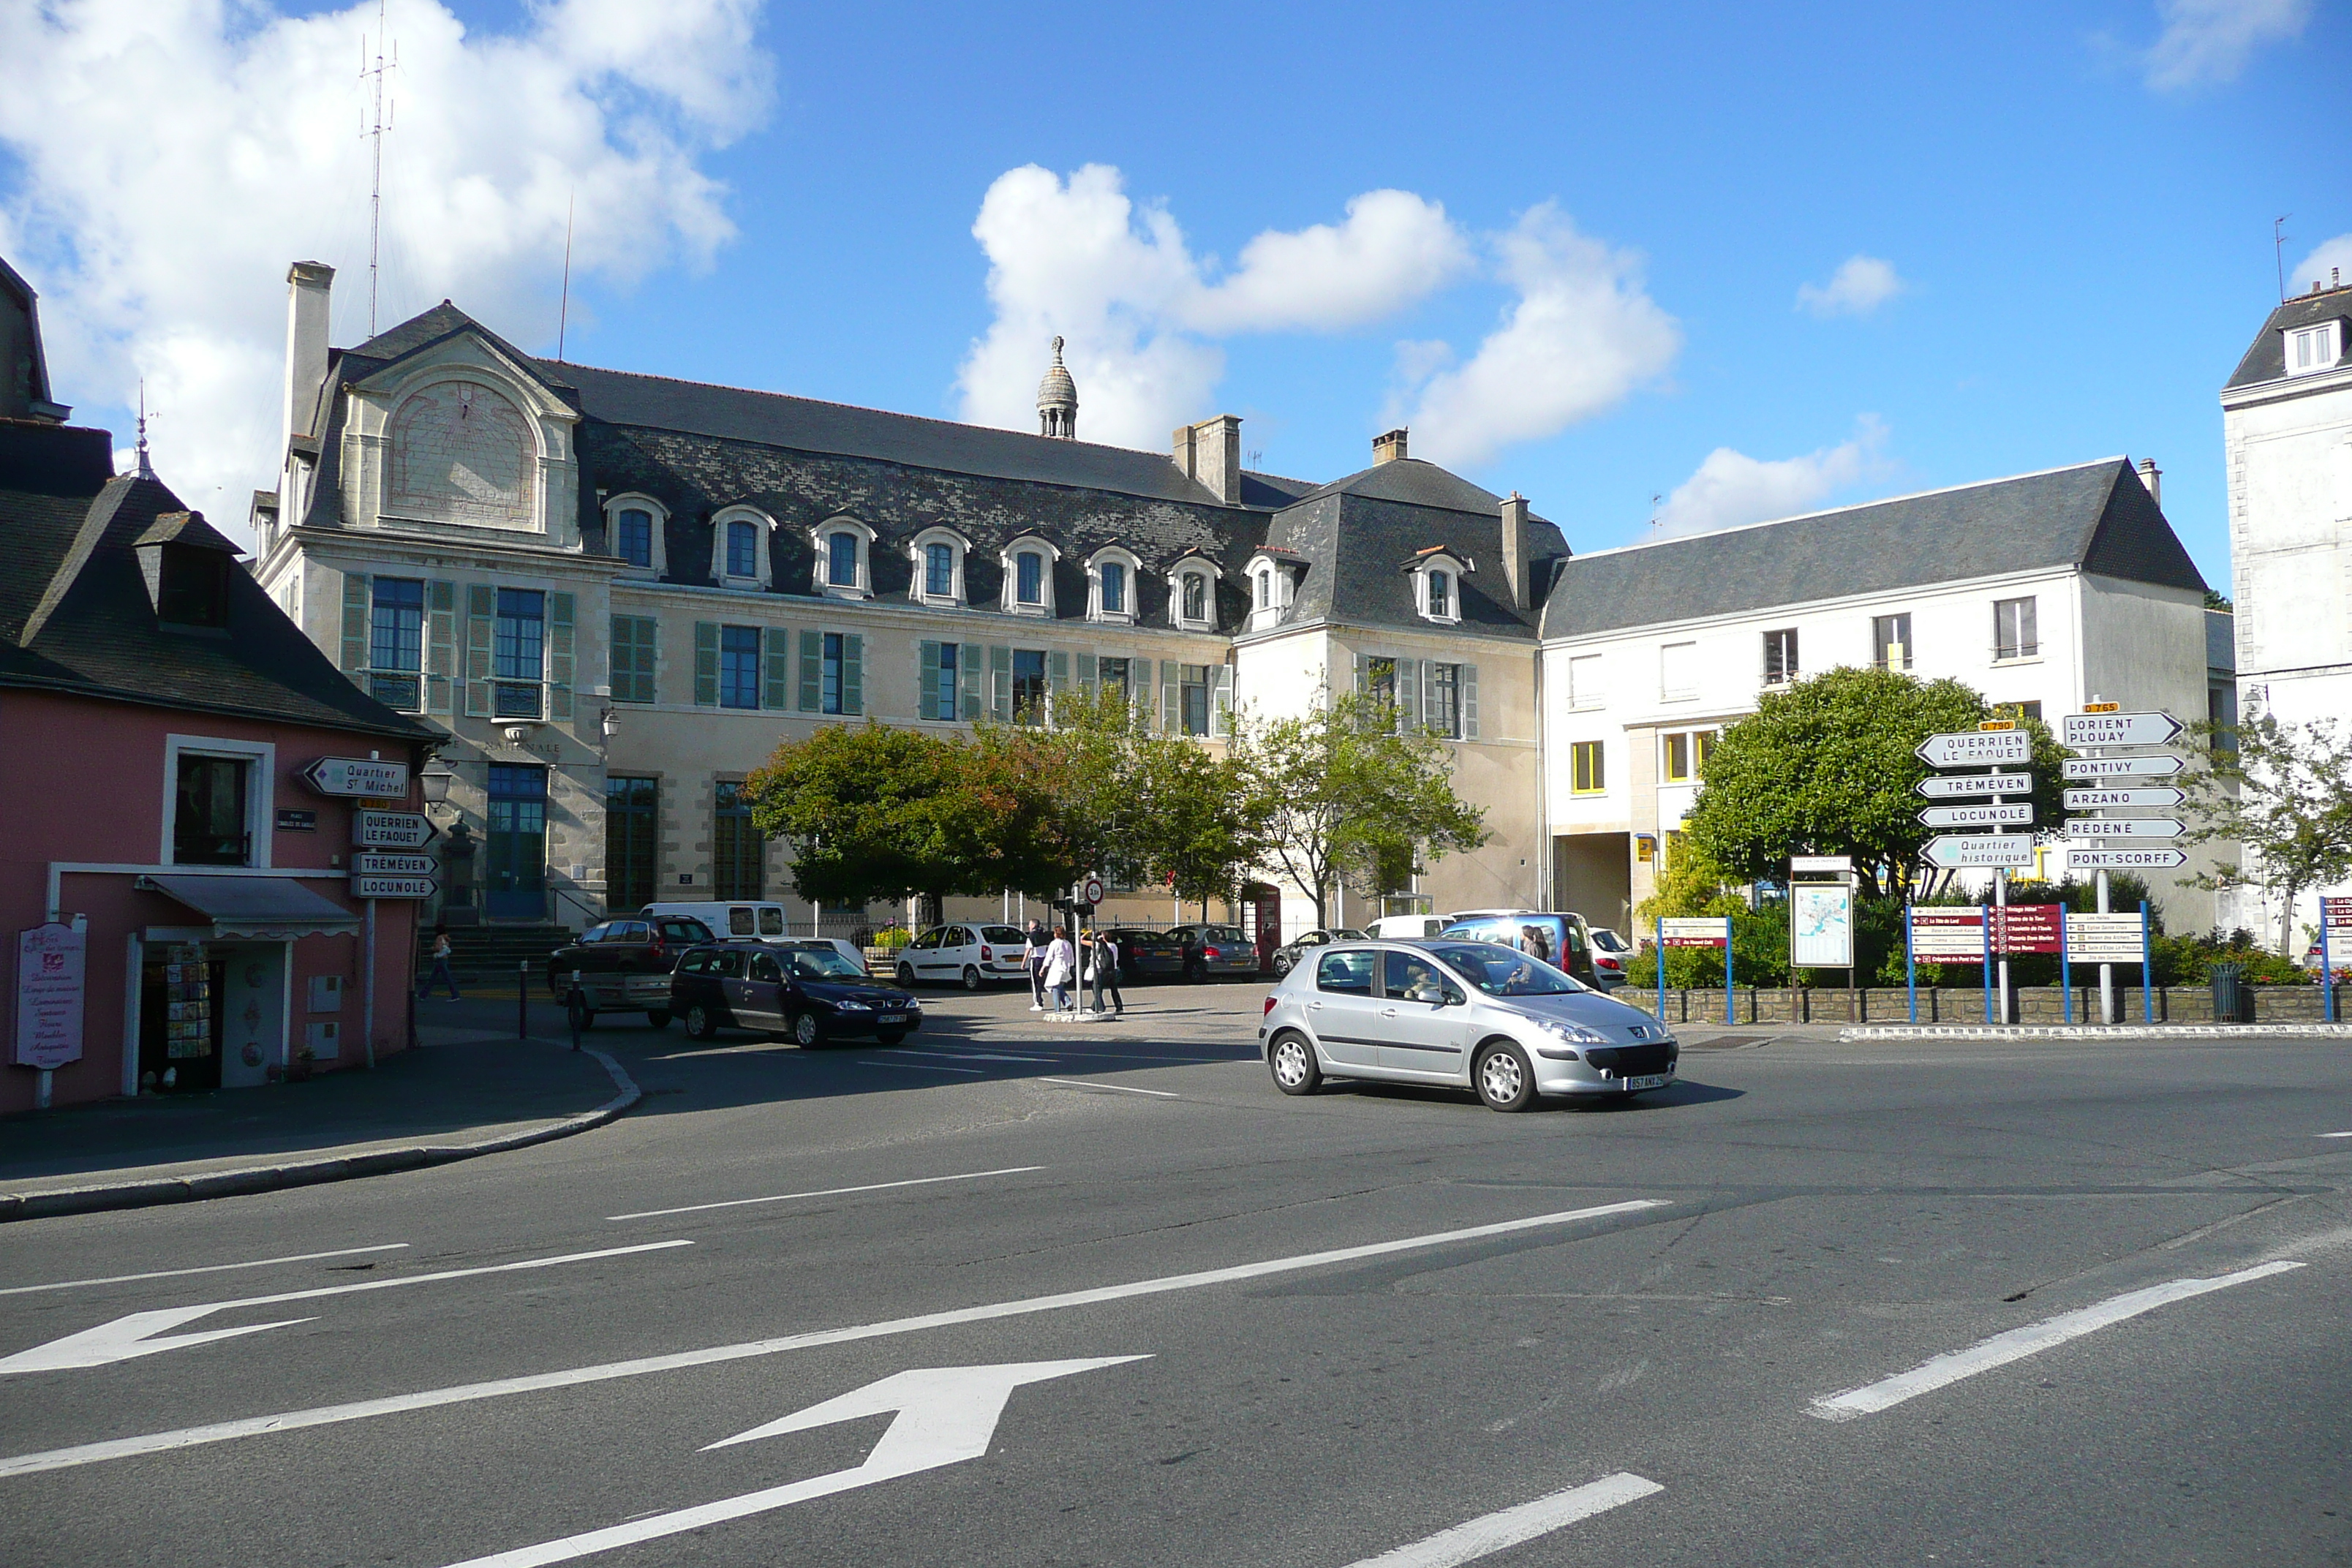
(1662, 969)
(1987, 922)
(2066, 969)
(2147, 968)
(1910, 962)
(2106, 971)
(2326, 970)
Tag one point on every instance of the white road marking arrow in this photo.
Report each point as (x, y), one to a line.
(946, 1415)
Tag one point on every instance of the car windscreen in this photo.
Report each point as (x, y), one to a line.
(824, 963)
(1500, 971)
(680, 929)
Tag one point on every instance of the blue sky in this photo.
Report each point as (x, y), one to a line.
(2077, 233)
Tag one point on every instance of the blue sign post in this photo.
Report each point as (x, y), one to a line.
(1910, 965)
(1726, 970)
(1987, 960)
(2327, 971)
(2147, 968)
(1662, 969)
(2065, 967)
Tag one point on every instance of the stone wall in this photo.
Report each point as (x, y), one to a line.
(1966, 1004)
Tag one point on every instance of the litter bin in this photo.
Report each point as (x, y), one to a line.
(2233, 999)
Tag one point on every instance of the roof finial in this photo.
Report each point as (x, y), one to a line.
(146, 471)
(1058, 399)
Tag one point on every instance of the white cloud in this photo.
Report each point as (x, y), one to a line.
(1580, 337)
(1860, 285)
(176, 154)
(1079, 258)
(1730, 488)
(2333, 256)
(2212, 41)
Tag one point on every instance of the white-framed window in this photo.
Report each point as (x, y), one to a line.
(1890, 640)
(1437, 588)
(1270, 593)
(936, 555)
(1192, 596)
(1683, 754)
(634, 527)
(219, 801)
(1110, 586)
(1029, 576)
(1678, 672)
(1584, 687)
(2016, 629)
(740, 552)
(2314, 348)
(1781, 665)
(843, 567)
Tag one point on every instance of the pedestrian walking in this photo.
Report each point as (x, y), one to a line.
(1033, 953)
(1061, 968)
(1106, 959)
(440, 970)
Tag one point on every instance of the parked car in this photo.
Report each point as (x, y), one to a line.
(622, 966)
(1469, 1014)
(806, 989)
(1555, 936)
(1215, 950)
(731, 917)
(1146, 954)
(1286, 956)
(967, 954)
(1612, 953)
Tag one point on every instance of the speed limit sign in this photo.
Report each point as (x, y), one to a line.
(1093, 890)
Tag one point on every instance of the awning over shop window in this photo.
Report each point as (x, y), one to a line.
(256, 908)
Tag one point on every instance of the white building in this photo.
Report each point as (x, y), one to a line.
(2043, 591)
(2287, 437)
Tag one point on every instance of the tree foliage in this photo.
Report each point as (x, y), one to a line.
(1345, 793)
(2283, 793)
(1829, 767)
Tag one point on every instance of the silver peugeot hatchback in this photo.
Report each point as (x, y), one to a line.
(1471, 1015)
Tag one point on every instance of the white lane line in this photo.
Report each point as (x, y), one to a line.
(827, 1193)
(1081, 1083)
(2018, 1343)
(965, 1056)
(1493, 1531)
(2335, 1134)
(207, 1268)
(925, 1067)
(400, 1403)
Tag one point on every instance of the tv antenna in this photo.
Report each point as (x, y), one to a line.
(564, 312)
(375, 74)
(2278, 251)
(1257, 457)
(1655, 499)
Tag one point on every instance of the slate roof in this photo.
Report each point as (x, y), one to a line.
(2266, 356)
(74, 617)
(2095, 516)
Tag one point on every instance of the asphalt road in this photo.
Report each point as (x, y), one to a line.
(1093, 1270)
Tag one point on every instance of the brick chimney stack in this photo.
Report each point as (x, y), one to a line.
(308, 287)
(1210, 452)
(1389, 447)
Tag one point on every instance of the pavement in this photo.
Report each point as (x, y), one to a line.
(1028, 1293)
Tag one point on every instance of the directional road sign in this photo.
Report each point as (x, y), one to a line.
(2117, 859)
(1977, 749)
(1948, 935)
(1694, 930)
(392, 830)
(1978, 815)
(2108, 799)
(360, 776)
(2161, 764)
(2105, 939)
(393, 865)
(2335, 912)
(393, 887)
(2080, 729)
(2124, 827)
(1957, 785)
(1980, 849)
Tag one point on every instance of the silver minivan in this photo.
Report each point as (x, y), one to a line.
(1471, 1015)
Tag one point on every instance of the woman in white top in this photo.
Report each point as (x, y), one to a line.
(1061, 964)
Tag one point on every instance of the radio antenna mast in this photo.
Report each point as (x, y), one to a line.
(375, 137)
(2278, 251)
(563, 312)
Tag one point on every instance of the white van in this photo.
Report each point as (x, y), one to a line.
(747, 917)
(1409, 928)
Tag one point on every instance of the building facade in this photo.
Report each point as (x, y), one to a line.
(2287, 442)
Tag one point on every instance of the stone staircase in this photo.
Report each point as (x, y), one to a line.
(487, 954)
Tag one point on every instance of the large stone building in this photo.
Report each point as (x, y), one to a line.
(620, 591)
(2286, 439)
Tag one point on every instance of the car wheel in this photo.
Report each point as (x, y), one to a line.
(561, 986)
(658, 1017)
(971, 978)
(907, 976)
(1505, 1079)
(1292, 1061)
(1282, 961)
(700, 1024)
(807, 1033)
(1195, 973)
(890, 1037)
(577, 1013)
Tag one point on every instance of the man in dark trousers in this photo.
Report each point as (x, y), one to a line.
(1033, 952)
(1106, 958)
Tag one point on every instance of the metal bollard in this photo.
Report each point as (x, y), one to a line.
(522, 1000)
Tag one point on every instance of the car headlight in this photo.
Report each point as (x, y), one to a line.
(854, 1006)
(1568, 1036)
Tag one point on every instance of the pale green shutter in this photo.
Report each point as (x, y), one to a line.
(1086, 674)
(440, 644)
(853, 673)
(926, 693)
(968, 688)
(811, 672)
(1469, 702)
(355, 620)
(1171, 696)
(1221, 699)
(1057, 672)
(481, 620)
(1408, 689)
(705, 664)
(561, 659)
(1363, 672)
(777, 673)
(999, 682)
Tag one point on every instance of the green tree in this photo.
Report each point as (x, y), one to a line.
(1342, 791)
(1829, 767)
(2282, 794)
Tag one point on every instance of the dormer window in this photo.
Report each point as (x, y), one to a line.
(841, 561)
(1271, 589)
(1192, 596)
(633, 538)
(186, 565)
(938, 555)
(1441, 595)
(938, 571)
(1029, 577)
(1437, 586)
(633, 530)
(2310, 349)
(1265, 589)
(1110, 586)
(1114, 588)
(742, 549)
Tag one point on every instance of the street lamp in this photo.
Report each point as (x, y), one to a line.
(436, 780)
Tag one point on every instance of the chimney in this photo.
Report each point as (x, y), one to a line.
(307, 284)
(1210, 452)
(1515, 545)
(2153, 478)
(1389, 447)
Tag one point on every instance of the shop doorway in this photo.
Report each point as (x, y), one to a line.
(252, 1005)
(180, 1023)
(514, 877)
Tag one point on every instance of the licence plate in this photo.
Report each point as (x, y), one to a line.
(890, 1017)
(1654, 1080)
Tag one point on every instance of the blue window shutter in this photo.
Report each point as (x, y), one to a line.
(811, 672)
(440, 644)
(853, 673)
(705, 664)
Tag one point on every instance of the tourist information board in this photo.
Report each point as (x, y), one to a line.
(1948, 935)
(1694, 930)
(2105, 939)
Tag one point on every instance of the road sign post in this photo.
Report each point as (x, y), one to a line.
(2147, 968)
(1910, 965)
(2066, 970)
